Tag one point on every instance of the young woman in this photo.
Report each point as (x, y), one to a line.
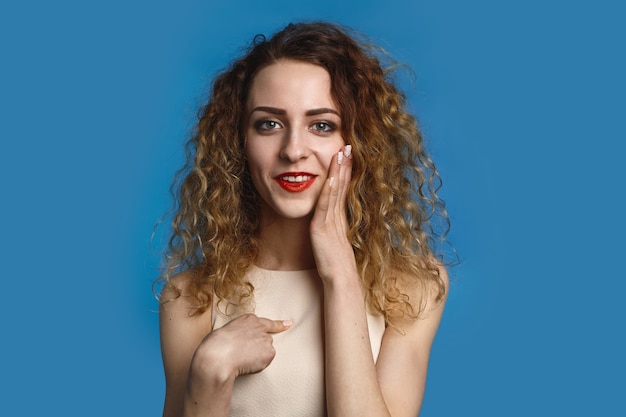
(301, 277)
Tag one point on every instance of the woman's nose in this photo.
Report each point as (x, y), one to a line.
(294, 146)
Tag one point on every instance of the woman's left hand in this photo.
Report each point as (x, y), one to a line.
(333, 252)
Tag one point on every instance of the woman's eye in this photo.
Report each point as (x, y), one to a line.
(323, 127)
(267, 125)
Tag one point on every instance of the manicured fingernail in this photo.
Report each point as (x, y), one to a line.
(339, 158)
(347, 151)
(287, 323)
(330, 181)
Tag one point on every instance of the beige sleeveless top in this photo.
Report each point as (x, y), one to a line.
(293, 384)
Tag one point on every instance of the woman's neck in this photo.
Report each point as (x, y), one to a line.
(285, 244)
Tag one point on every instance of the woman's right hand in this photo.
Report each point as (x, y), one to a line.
(243, 346)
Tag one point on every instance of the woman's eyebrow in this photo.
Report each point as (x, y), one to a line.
(277, 111)
(272, 110)
(322, 110)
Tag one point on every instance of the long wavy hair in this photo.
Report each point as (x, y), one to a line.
(392, 203)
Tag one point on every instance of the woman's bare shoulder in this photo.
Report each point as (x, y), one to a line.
(427, 298)
(179, 308)
(179, 288)
(428, 291)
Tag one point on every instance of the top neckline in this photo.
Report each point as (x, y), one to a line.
(282, 270)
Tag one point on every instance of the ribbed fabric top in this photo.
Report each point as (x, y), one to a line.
(293, 384)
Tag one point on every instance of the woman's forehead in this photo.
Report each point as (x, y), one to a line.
(289, 84)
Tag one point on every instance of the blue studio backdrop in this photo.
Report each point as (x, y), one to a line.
(522, 105)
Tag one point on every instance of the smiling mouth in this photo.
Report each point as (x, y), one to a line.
(295, 182)
(296, 178)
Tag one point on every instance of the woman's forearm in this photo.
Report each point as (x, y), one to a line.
(352, 387)
(208, 397)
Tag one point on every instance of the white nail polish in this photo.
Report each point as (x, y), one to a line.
(339, 158)
(330, 182)
(347, 151)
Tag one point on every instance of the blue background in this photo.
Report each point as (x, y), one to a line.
(523, 106)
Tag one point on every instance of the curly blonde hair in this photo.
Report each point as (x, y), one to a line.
(392, 200)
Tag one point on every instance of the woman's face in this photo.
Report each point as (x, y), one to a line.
(292, 130)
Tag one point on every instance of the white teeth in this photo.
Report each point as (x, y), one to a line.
(299, 178)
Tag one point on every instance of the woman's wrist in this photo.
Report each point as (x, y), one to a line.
(348, 282)
(343, 274)
(208, 396)
(212, 366)
(209, 387)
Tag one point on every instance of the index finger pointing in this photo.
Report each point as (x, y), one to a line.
(276, 326)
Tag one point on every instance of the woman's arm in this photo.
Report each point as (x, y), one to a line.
(395, 385)
(181, 334)
(352, 386)
(355, 385)
(201, 365)
(403, 360)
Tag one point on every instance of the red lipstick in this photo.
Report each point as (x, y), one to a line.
(295, 182)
